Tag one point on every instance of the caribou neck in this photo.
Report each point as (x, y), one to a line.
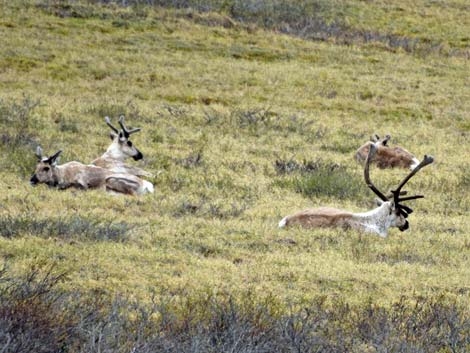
(374, 221)
(59, 174)
(114, 152)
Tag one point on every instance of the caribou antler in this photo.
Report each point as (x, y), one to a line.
(372, 152)
(397, 192)
(126, 132)
(376, 139)
(108, 122)
(385, 140)
(405, 210)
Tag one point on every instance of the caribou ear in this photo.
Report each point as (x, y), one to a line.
(52, 160)
(112, 135)
(39, 153)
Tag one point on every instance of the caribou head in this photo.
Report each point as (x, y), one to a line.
(122, 147)
(45, 169)
(397, 211)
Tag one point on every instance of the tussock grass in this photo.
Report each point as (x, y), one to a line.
(317, 179)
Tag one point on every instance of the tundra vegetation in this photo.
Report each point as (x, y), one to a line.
(249, 110)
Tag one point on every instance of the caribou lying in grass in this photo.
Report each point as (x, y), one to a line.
(387, 157)
(121, 149)
(78, 175)
(391, 212)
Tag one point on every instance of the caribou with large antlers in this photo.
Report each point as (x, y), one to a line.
(386, 157)
(78, 175)
(391, 212)
(121, 149)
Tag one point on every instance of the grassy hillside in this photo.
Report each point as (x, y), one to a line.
(225, 100)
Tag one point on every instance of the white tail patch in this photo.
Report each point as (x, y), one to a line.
(148, 187)
(283, 222)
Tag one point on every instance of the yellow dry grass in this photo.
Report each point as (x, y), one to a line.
(212, 227)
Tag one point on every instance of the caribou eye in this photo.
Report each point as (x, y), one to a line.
(129, 143)
(46, 169)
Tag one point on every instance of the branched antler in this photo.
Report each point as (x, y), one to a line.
(126, 132)
(372, 152)
(397, 192)
(108, 122)
(426, 160)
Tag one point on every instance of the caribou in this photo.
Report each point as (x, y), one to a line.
(121, 149)
(78, 175)
(391, 211)
(387, 157)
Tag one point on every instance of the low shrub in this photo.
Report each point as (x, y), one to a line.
(318, 20)
(37, 316)
(71, 227)
(18, 125)
(31, 319)
(203, 208)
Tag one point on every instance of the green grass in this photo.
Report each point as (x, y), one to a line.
(242, 97)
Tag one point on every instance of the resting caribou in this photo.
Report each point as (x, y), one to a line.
(78, 175)
(120, 149)
(387, 157)
(391, 212)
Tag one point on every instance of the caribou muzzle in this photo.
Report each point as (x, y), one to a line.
(404, 227)
(34, 180)
(138, 156)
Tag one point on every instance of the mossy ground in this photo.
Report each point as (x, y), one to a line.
(242, 98)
